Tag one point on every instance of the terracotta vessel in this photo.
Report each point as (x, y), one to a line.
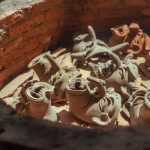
(41, 66)
(137, 108)
(36, 98)
(91, 107)
(117, 73)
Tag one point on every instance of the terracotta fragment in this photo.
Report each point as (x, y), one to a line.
(98, 106)
(139, 42)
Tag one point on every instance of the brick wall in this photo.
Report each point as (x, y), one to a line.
(28, 27)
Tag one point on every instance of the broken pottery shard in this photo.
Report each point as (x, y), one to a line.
(139, 42)
(134, 35)
(92, 105)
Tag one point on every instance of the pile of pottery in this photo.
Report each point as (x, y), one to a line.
(113, 86)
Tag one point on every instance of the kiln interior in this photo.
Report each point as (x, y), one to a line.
(30, 28)
(33, 33)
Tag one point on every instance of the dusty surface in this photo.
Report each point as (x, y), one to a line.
(62, 109)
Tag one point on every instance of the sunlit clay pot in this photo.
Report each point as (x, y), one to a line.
(86, 107)
(137, 108)
(145, 111)
(38, 99)
(41, 66)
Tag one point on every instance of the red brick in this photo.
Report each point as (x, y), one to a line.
(33, 33)
(54, 13)
(18, 42)
(49, 27)
(25, 26)
(45, 39)
(19, 52)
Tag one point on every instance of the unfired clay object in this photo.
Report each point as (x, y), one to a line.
(139, 42)
(118, 74)
(137, 108)
(41, 66)
(52, 72)
(91, 107)
(60, 79)
(36, 100)
(87, 46)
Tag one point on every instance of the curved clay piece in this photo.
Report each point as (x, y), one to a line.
(98, 85)
(137, 44)
(89, 108)
(37, 99)
(93, 48)
(92, 34)
(118, 47)
(119, 35)
(97, 50)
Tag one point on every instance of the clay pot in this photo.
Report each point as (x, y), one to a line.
(88, 108)
(41, 66)
(145, 111)
(137, 108)
(115, 72)
(38, 100)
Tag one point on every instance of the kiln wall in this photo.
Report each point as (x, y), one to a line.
(28, 27)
